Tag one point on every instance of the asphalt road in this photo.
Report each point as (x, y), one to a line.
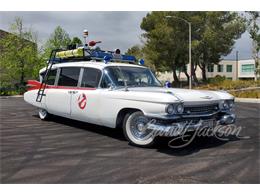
(66, 151)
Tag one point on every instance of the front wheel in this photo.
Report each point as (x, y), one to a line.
(43, 114)
(135, 131)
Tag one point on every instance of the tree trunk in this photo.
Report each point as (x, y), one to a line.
(187, 75)
(22, 78)
(175, 77)
(256, 68)
(194, 76)
(204, 76)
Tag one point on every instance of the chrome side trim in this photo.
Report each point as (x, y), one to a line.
(172, 117)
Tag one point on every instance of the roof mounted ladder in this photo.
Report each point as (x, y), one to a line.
(43, 85)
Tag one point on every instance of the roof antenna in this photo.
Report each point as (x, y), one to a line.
(85, 35)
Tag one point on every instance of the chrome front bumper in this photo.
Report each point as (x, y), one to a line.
(225, 119)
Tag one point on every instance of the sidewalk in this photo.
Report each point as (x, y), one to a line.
(247, 100)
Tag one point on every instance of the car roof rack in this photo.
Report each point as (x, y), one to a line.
(88, 54)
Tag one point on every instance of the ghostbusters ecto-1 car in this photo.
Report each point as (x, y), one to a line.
(110, 89)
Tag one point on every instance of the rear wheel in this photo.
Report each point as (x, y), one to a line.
(135, 131)
(43, 114)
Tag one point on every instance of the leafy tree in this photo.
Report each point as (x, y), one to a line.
(136, 51)
(253, 29)
(18, 55)
(165, 42)
(213, 35)
(76, 41)
(58, 39)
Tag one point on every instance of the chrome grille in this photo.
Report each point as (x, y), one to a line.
(201, 109)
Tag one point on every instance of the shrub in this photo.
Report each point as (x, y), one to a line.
(219, 84)
(247, 94)
(217, 79)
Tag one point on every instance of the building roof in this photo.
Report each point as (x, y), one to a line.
(3, 34)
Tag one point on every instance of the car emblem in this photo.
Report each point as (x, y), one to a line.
(82, 101)
(206, 97)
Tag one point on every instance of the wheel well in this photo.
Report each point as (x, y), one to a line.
(121, 115)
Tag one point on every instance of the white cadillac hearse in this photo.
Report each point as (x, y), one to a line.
(109, 89)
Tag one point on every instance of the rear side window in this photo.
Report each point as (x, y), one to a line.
(91, 77)
(69, 76)
(51, 78)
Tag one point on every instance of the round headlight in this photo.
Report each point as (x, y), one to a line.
(180, 108)
(225, 105)
(231, 103)
(170, 109)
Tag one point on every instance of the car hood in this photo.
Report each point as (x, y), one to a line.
(186, 95)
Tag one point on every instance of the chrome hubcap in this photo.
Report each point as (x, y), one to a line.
(42, 113)
(138, 128)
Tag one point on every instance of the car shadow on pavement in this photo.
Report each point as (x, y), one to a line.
(199, 143)
(109, 132)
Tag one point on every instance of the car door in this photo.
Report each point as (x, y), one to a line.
(58, 99)
(85, 102)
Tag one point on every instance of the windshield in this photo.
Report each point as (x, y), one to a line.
(131, 76)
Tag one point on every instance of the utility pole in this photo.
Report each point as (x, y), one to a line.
(236, 65)
(190, 55)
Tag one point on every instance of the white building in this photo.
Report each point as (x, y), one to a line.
(231, 69)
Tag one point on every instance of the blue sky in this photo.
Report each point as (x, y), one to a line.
(114, 29)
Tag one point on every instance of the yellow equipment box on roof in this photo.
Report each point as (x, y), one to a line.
(71, 53)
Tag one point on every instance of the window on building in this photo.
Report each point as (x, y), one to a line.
(211, 68)
(91, 77)
(229, 68)
(248, 68)
(220, 68)
(69, 76)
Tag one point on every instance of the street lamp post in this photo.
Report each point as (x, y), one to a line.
(189, 23)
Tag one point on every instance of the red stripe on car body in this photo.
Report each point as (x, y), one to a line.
(35, 85)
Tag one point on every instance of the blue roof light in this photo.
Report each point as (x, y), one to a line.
(141, 62)
(107, 59)
(113, 57)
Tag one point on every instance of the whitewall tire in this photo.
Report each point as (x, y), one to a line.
(134, 130)
(43, 114)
